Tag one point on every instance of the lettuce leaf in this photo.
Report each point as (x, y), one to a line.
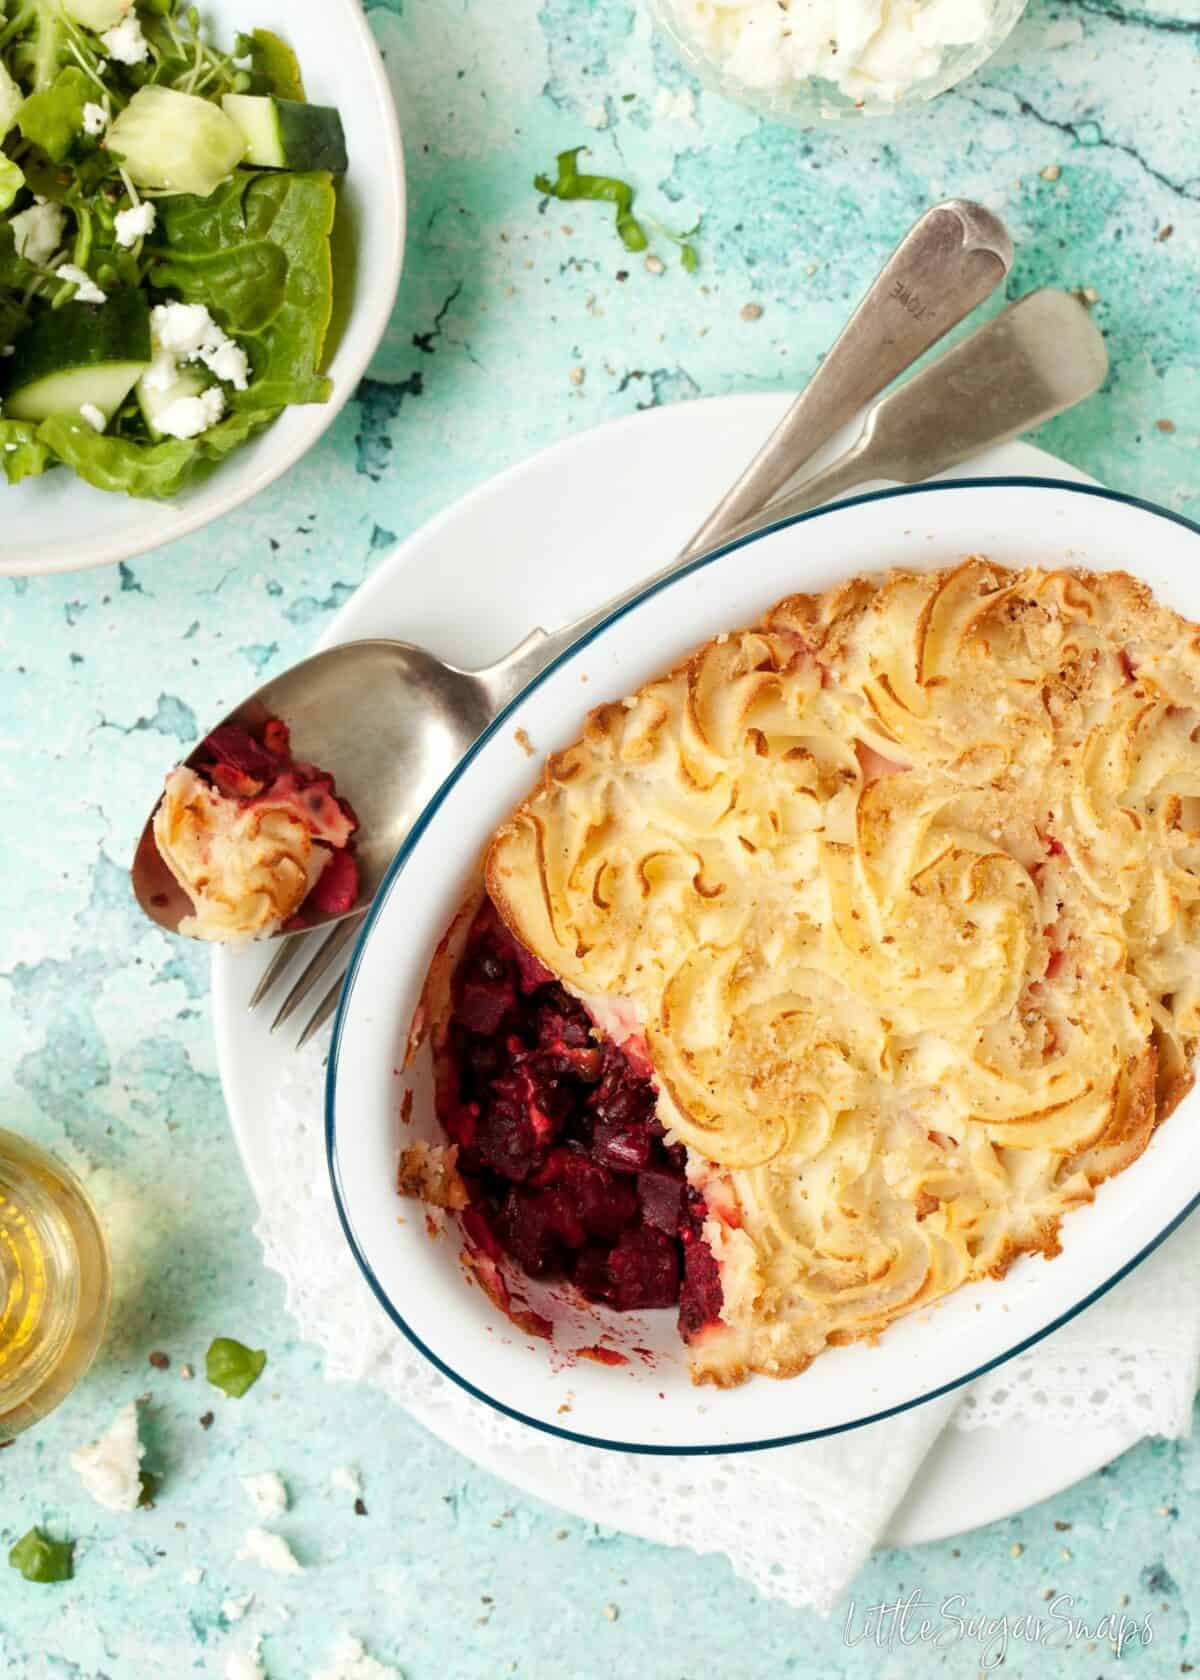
(22, 453)
(257, 253)
(53, 119)
(141, 469)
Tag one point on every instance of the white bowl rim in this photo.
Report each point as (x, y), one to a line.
(371, 317)
(357, 1248)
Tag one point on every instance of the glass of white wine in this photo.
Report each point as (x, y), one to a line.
(55, 1283)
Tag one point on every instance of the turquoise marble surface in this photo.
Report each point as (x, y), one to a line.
(516, 323)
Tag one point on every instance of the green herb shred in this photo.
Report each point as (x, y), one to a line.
(233, 1367)
(608, 189)
(41, 1559)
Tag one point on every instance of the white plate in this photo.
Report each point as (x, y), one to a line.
(57, 523)
(663, 460)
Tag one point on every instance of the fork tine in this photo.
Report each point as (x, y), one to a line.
(316, 966)
(322, 1012)
(285, 949)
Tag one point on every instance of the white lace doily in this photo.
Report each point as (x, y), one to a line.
(1131, 1358)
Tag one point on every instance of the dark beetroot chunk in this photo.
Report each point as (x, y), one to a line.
(559, 1144)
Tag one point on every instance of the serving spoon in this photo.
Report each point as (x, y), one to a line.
(391, 720)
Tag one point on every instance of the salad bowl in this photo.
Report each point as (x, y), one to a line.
(56, 522)
(639, 1397)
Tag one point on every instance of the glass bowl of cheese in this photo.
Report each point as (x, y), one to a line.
(801, 61)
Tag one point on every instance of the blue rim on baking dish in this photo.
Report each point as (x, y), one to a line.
(357, 1246)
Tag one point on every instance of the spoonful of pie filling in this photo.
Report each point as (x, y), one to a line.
(254, 838)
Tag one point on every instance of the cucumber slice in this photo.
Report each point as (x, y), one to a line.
(70, 357)
(97, 15)
(11, 100)
(286, 134)
(175, 141)
(154, 400)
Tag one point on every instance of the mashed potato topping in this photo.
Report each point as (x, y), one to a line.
(904, 888)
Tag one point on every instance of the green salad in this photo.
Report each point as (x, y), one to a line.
(166, 206)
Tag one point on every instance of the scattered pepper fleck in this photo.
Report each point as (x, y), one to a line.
(160, 1360)
(1164, 233)
(1167, 426)
(206, 1421)
(360, 1510)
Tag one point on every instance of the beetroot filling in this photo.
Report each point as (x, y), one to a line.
(562, 1154)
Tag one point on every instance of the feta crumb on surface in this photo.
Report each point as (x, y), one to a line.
(125, 41)
(192, 1576)
(109, 1467)
(351, 1662)
(234, 1609)
(348, 1480)
(95, 118)
(267, 1493)
(187, 417)
(270, 1551)
(86, 289)
(134, 224)
(93, 415)
(38, 231)
(246, 1665)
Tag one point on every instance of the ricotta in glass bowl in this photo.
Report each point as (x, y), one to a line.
(799, 60)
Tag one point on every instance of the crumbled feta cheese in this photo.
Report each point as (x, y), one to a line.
(134, 224)
(125, 41)
(95, 118)
(93, 415)
(38, 231)
(109, 1467)
(186, 332)
(229, 362)
(269, 1550)
(86, 289)
(246, 1665)
(187, 417)
(192, 1576)
(267, 1493)
(234, 1609)
(348, 1480)
(351, 1662)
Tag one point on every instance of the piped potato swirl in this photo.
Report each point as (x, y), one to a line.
(903, 888)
